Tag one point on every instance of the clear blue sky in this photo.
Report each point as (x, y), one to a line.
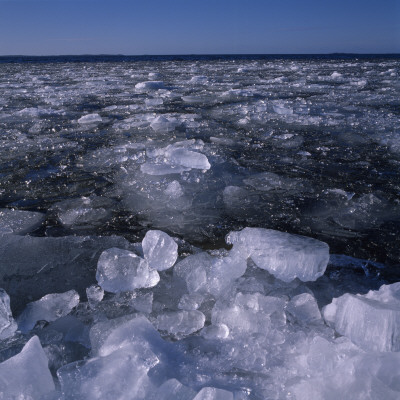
(51, 27)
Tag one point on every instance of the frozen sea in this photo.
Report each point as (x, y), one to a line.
(200, 227)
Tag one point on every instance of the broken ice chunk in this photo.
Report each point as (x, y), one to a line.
(180, 323)
(7, 323)
(175, 158)
(282, 108)
(217, 331)
(48, 308)
(203, 273)
(90, 119)
(172, 389)
(174, 190)
(26, 375)
(212, 393)
(124, 350)
(143, 302)
(84, 212)
(371, 321)
(250, 313)
(187, 158)
(164, 124)
(154, 75)
(161, 169)
(284, 255)
(153, 102)
(110, 335)
(192, 271)
(121, 270)
(149, 85)
(336, 75)
(19, 222)
(304, 308)
(190, 301)
(200, 80)
(160, 250)
(94, 295)
(119, 375)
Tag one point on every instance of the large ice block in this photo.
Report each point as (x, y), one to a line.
(371, 321)
(160, 250)
(284, 255)
(121, 270)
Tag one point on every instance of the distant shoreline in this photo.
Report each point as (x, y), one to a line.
(188, 57)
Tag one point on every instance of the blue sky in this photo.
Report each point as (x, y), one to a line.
(51, 27)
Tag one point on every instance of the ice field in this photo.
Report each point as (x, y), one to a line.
(207, 228)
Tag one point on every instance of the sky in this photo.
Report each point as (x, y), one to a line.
(137, 27)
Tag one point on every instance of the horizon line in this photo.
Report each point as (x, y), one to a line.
(198, 54)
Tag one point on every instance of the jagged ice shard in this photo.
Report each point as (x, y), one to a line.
(26, 375)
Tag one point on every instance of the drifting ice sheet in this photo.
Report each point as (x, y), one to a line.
(19, 222)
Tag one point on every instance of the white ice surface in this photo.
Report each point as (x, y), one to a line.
(26, 376)
(7, 324)
(149, 85)
(371, 321)
(160, 250)
(121, 270)
(90, 119)
(48, 308)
